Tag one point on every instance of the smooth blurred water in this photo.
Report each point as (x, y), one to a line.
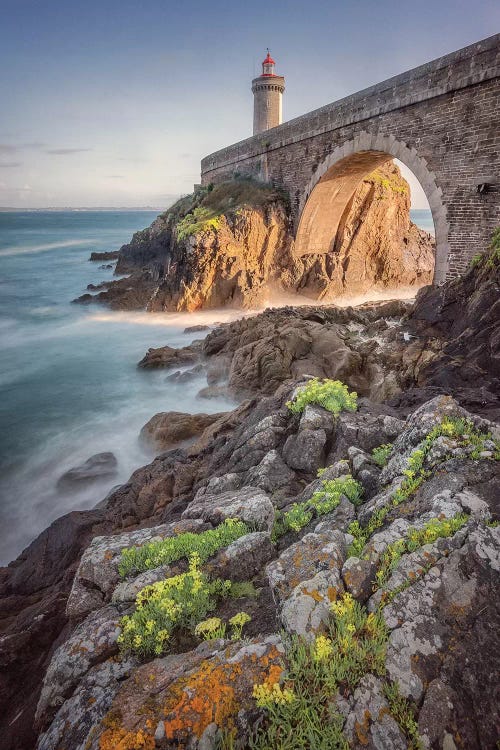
(69, 384)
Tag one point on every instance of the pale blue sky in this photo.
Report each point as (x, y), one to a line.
(115, 102)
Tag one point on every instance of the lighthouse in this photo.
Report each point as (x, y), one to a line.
(267, 97)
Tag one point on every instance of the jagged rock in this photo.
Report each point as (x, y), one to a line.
(127, 590)
(168, 428)
(249, 504)
(419, 617)
(338, 519)
(185, 376)
(314, 417)
(196, 329)
(192, 692)
(100, 466)
(314, 552)
(108, 255)
(80, 714)
(242, 252)
(307, 610)
(358, 576)
(271, 473)
(244, 558)
(93, 641)
(167, 356)
(304, 451)
(368, 721)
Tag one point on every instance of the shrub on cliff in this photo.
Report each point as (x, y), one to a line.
(332, 395)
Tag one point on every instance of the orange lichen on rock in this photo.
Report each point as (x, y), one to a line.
(216, 692)
(120, 739)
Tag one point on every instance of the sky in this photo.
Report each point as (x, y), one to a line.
(114, 103)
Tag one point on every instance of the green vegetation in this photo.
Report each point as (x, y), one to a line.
(206, 207)
(386, 183)
(214, 627)
(381, 454)
(178, 602)
(238, 622)
(461, 431)
(243, 590)
(302, 713)
(328, 497)
(404, 713)
(490, 259)
(200, 220)
(493, 258)
(323, 501)
(332, 395)
(205, 544)
(210, 629)
(414, 539)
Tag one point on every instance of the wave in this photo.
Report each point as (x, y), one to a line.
(170, 319)
(27, 249)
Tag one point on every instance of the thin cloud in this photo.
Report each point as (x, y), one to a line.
(66, 151)
(116, 176)
(9, 164)
(10, 148)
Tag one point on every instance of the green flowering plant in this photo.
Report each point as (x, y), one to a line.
(180, 601)
(332, 395)
(238, 622)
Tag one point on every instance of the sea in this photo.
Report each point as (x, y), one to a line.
(69, 382)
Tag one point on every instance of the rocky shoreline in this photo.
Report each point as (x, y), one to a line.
(232, 246)
(417, 369)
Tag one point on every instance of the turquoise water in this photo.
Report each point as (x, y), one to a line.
(69, 385)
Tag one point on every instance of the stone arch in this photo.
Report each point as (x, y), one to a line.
(333, 184)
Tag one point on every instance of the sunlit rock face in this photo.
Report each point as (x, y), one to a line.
(234, 246)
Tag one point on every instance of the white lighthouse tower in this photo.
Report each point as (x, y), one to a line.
(268, 91)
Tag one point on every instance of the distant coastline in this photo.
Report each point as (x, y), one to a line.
(9, 209)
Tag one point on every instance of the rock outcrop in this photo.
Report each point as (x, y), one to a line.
(416, 546)
(233, 246)
(434, 598)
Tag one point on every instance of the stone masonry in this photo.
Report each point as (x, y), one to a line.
(440, 119)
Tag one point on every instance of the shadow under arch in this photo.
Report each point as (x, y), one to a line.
(333, 184)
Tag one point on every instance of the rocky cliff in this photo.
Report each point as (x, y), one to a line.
(365, 552)
(233, 246)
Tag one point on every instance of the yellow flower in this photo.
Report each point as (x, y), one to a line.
(211, 628)
(323, 648)
(266, 695)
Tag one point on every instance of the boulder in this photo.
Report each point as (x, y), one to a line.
(300, 561)
(100, 466)
(304, 451)
(244, 558)
(168, 356)
(169, 428)
(249, 504)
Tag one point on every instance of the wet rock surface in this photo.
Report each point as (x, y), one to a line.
(63, 599)
(167, 429)
(100, 466)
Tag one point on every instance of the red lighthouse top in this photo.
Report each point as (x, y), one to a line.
(268, 66)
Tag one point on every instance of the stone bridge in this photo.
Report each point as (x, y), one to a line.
(441, 119)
